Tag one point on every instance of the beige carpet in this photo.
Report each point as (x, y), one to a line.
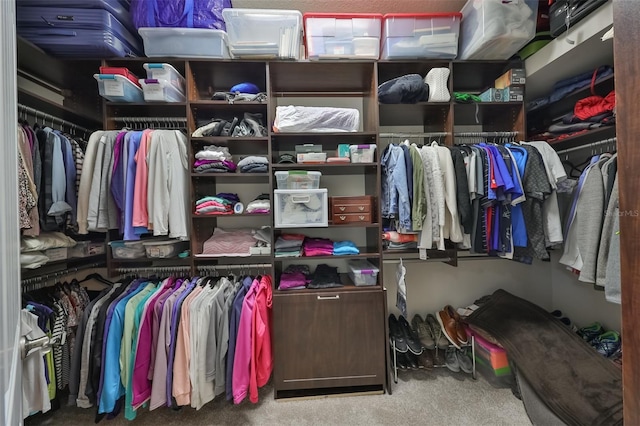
(419, 398)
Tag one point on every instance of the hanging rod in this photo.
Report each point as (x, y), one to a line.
(485, 134)
(43, 279)
(45, 116)
(414, 135)
(239, 266)
(413, 260)
(149, 119)
(609, 141)
(153, 269)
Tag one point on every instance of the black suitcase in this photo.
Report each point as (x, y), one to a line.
(574, 9)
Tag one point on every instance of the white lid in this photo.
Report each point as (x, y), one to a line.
(117, 77)
(160, 243)
(192, 32)
(150, 66)
(255, 13)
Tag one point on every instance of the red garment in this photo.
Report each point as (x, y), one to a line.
(261, 351)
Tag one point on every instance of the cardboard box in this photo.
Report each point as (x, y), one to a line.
(491, 95)
(513, 94)
(515, 76)
(312, 157)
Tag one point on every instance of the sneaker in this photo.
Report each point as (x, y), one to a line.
(401, 361)
(425, 360)
(591, 331)
(464, 360)
(412, 361)
(413, 343)
(451, 360)
(396, 336)
(607, 343)
(438, 357)
(557, 313)
(566, 321)
(436, 332)
(423, 331)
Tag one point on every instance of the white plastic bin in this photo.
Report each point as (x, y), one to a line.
(342, 35)
(298, 179)
(301, 208)
(166, 72)
(117, 88)
(495, 29)
(160, 91)
(269, 33)
(362, 272)
(420, 35)
(365, 153)
(185, 43)
(164, 249)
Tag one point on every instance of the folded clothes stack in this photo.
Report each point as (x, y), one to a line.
(214, 159)
(289, 245)
(216, 205)
(317, 247)
(325, 276)
(294, 277)
(261, 205)
(343, 248)
(254, 164)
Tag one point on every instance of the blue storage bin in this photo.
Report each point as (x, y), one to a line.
(117, 88)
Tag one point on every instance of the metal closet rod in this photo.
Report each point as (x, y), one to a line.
(609, 141)
(485, 134)
(150, 119)
(45, 116)
(239, 266)
(414, 135)
(153, 269)
(42, 279)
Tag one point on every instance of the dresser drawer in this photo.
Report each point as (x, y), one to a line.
(339, 218)
(363, 204)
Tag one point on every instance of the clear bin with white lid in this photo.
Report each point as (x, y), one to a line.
(118, 88)
(420, 35)
(268, 33)
(495, 29)
(364, 153)
(127, 249)
(166, 72)
(298, 179)
(164, 248)
(300, 208)
(342, 35)
(362, 272)
(185, 43)
(160, 91)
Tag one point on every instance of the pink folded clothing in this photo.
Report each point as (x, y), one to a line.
(211, 204)
(292, 237)
(236, 242)
(310, 252)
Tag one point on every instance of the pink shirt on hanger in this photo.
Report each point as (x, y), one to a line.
(242, 358)
(181, 382)
(261, 353)
(140, 191)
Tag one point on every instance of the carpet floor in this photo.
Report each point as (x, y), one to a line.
(426, 398)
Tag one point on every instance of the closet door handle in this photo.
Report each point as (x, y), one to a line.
(334, 297)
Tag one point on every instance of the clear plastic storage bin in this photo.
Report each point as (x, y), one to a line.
(342, 35)
(185, 42)
(495, 29)
(420, 35)
(298, 179)
(127, 249)
(164, 249)
(298, 208)
(268, 33)
(362, 272)
(166, 72)
(160, 91)
(362, 153)
(117, 88)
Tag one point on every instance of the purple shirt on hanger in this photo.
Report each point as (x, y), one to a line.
(132, 146)
(117, 176)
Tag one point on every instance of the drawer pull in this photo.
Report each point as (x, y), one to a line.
(361, 208)
(361, 217)
(342, 217)
(334, 297)
(342, 208)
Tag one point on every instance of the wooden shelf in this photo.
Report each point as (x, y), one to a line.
(323, 134)
(145, 104)
(354, 225)
(362, 255)
(220, 139)
(347, 285)
(421, 113)
(239, 104)
(585, 138)
(222, 216)
(330, 168)
(230, 175)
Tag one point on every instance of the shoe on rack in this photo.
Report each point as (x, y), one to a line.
(438, 356)
(464, 360)
(396, 336)
(413, 343)
(425, 360)
(451, 360)
(401, 361)
(591, 331)
(423, 331)
(412, 361)
(436, 331)
(607, 343)
(460, 331)
(449, 328)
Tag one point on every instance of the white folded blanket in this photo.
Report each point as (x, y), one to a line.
(316, 119)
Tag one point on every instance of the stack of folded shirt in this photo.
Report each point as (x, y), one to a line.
(254, 164)
(214, 159)
(231, 243)
(325, 276)
(317, 247)
(289, 245)
(343, 248)
(263, 244)
(214, 205)
(294, 277)
(261, 205)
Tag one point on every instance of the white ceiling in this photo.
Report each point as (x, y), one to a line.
(359, 6)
